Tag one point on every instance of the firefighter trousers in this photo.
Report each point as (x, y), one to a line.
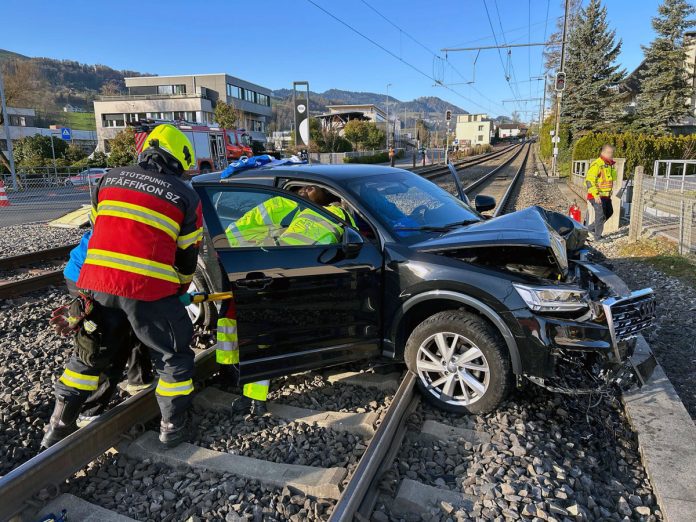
(163, 326)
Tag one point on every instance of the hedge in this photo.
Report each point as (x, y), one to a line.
(380, 157)
(638, 149)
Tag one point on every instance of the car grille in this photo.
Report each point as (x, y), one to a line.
(630, 315)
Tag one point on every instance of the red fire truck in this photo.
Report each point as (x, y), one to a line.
(214, 147)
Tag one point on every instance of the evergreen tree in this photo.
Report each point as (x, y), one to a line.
(591, 72)
(665, 88)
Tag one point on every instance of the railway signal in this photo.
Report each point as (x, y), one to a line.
(560, 81)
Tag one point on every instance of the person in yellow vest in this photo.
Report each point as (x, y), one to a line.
(259, 227)
(599, 181)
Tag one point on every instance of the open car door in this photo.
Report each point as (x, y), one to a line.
(298, 306)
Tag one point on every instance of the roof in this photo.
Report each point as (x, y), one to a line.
(511, 126)
(341, 113)
(339, 173)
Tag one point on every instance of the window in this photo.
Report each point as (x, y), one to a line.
(161, 115)
(18, 121)
(249, 96)
(480, 128)
(233, 91)
(480, 137)
(113, 120)
(135, 117)
(263, 99)
(257, 125)
(171, 89)
(252, 218)
(185, 116)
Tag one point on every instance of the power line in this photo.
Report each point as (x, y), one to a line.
(390, 53)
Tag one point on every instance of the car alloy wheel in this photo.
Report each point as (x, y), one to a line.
(453, 369)
(194, 309)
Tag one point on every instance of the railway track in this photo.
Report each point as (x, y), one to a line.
(38, 277)
(435, 171)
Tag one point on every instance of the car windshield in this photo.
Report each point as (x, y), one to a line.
(413, 208)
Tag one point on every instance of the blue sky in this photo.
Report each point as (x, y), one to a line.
(277, 41)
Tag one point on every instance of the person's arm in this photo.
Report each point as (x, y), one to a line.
(591, 180)
(187, 244)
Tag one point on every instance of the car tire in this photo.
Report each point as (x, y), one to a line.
(476, 385)
(202, 314)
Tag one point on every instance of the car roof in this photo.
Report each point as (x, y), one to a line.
(337, 173)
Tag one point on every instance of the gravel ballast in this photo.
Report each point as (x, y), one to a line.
(22, 239)
(144, 490)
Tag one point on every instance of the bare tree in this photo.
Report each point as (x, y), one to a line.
(110, 88)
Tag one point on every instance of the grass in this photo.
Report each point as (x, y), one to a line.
(663, 255)
(74, 120)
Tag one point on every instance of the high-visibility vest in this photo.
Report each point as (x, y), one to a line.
(600, 179)
(257, 226)
(227, 349)
(311, 228)
(140, 219)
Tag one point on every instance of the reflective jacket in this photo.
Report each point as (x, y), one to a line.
(599, 179)
(147, 226)
(256, 227)
(311, 228)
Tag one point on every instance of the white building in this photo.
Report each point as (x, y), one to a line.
(23, 124)
(473, 129)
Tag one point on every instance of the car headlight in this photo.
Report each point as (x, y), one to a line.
(552, 298)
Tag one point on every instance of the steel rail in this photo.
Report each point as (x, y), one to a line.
(505, 200)
(483, 179)
(439, 170)
(8, 263)
(54, 465)
(24, 286)
(356, 496)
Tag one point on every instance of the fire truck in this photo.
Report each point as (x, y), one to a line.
(214, 147)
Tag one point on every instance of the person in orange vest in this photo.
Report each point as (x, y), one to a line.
(599, 181)
(391, 156)
(574, 212)
(147, 225)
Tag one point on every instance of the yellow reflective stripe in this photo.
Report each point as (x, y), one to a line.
(184, 279)
(136, 265)
(79, 381)
(92, 216)
(171, 389)
(226, 356)
(257, 390)
(187, 240)
(140, 214)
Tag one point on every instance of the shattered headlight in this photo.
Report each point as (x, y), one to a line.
(552, 298)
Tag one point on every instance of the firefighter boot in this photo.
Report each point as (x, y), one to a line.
(241, 405)
(258, 408)
(174, 431)
(62, 422)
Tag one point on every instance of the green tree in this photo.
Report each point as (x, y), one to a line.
(357, 132)
(98, 159)
(225, 115)
(376, 137)
(590, 98)
(422, 132)
(74, 153)
(123, 150)
(35, 151)
(665, 88)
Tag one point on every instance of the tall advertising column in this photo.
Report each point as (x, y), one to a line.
(300, 102)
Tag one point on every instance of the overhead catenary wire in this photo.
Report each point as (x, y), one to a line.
(393, 55)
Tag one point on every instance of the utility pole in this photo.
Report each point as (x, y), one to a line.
(542, 108)
(559, 94)
(6, 119)
(387, 125)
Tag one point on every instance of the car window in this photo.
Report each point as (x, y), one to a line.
(252, 219)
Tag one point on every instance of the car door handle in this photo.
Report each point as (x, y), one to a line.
(256, 281)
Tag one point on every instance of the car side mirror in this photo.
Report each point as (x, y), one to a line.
(484, 203)
(352, 242)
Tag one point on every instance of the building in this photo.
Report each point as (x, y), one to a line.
(188, 97)
(630, 87)
(339, 115)
(23, 123)
(72, 108)
(280, 140)
(473, 129)
(511, 130)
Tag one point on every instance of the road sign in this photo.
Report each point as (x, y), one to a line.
(66, 134)
(456, 142)
(555, 151)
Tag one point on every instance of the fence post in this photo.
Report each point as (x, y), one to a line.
(689, 218)
(636, 224)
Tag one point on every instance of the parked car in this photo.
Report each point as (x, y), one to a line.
(89, 176)
(471, 305)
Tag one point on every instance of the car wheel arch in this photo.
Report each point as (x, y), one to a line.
(421, 306)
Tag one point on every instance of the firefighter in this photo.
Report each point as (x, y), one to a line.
(147, 226)
(307, 227)
(599, 180)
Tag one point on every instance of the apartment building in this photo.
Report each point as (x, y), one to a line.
(186, 97)
(473, 129)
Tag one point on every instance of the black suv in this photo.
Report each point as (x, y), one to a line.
(470, 304)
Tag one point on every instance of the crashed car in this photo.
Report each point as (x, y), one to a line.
(472, 305)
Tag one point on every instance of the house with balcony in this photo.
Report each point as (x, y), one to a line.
(190, 98)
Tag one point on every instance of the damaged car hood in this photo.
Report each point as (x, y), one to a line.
(531, 228)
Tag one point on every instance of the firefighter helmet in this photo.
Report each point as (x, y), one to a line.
(172, 141)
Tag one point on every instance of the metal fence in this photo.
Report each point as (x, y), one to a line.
(621, 204)
(44, 193)
(664, 204)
